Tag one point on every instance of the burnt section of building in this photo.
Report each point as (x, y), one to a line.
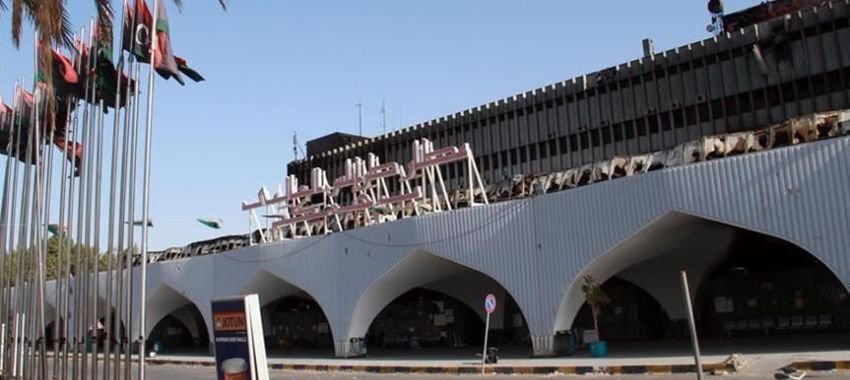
(762, 12)
(330, 142)
(761, 74)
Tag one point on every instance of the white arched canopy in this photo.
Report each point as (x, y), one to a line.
(428, 271)
(164, 301)
(651, 259)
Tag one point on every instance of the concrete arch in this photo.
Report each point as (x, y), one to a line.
(422, 269)
(164, 301)
(655, 246)
(270, 288)
(652, 258)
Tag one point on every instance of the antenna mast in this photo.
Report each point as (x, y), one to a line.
(383, 116)
(359, 106)
(295, 145)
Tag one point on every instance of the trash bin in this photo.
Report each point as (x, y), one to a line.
(89, 344)
(157, 347)
(565, 343)
(599, 348)
(358, 346)
(492, 355)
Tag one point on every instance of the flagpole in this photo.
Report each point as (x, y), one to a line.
(110, 329)
(62, 275)
(39, 242)
(22, 286)
(79, 358)
(8, 235)
(90, 294)
(123, 270)
(131, 233)
(107, 347)
(146, 196)
(45, 239)
(70, 338)
(45, 230)
(12, 358)
(97, 205)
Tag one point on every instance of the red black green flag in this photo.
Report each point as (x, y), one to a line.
(62, 74)
(184, 68)
(137, 40)
(73, 152)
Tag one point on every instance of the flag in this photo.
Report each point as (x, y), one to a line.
(163, 58)
(73, 152)
(57, 229)
(106, 78)
(135, 27)
(137, 39)
(104, 30)
(6, 124)
(188, 71)
(62, 74)
(138, 223)
(211, 222)
(20, 127)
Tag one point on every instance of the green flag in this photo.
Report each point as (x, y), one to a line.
(138, 223)
(211, 223)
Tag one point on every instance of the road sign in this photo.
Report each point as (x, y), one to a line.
(490, 303)
(489, 307)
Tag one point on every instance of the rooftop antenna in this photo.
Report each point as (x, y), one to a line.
(359, 106)
(295, 145)
(383, 116)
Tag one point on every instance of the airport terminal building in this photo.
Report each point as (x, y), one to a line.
(728, 158)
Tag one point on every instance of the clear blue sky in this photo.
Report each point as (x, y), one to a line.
(278, 67)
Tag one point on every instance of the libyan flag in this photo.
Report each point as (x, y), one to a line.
(137, 40)
(73, 152)
(61, 73)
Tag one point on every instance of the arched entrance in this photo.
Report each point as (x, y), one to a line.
(429, 304)
(181, 331)
(632, 315)
(423, 318)
(293, 321)
(297, 326)
(767, 286)
(175, 324)
(743, 284)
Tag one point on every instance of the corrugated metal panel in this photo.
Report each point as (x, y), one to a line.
(536, 247)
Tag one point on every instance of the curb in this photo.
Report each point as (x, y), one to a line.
(469, 370)
(822, 365)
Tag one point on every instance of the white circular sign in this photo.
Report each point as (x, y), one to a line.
(490, 303)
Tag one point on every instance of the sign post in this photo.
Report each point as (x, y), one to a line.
(239, 347)
(489, 307)
(691, 324)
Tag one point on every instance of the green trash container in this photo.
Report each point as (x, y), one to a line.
(599, 349)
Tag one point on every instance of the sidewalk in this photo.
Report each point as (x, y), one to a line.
(566, 365)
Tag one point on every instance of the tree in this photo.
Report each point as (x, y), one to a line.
(51, 19)
(59, 250)
(595, 297)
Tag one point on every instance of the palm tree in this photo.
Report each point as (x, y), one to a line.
(595, 297)
(50, 18)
